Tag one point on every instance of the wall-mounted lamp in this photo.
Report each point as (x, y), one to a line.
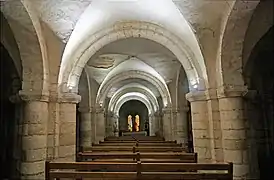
(195, 86)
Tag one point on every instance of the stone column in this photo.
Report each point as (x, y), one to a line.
(67, 126)
(33, 131)
(167, 124)
(181, 133)
(115, 118)
(234, 132)
(152, 125)
(158, 124)
(85, 127)
(100, 124)
(109, 125)
(200, 126)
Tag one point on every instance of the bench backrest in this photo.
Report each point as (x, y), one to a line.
(140, 142)
(182, 157)
(133, 149)
(138, 170)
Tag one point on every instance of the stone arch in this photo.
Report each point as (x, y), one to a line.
(133, 88)
(232, 43)
(126, 98)
(34, 57)
(70, 72)
(84, 91)
(263, 19)
(9, 42)
(138, 75)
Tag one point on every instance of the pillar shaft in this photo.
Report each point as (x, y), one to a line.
(33, 132)
(167, 124)
(234, 135)
(200, 126)
(85, 127)
(67, 127)
(180, 118)
(100, 125)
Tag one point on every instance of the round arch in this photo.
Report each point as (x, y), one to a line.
(36, 77)
(71, 68)
(133, 96)
(9, 42)
(132, 88)
(137, 75)
(232, 43)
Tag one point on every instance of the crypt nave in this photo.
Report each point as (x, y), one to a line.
(195, 71)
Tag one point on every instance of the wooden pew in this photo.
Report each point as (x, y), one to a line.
(138, 170)
(176, 171)
(157, 149)
(133, 149)
(134, 137)
(129, 138)
(139, 144)
(145, 157)
(93, 170)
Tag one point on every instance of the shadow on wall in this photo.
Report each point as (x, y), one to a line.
(258, 74)
(10, 145)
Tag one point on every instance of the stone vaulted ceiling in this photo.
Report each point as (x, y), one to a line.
(62, 17)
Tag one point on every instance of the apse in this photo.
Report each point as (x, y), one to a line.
(134, 112)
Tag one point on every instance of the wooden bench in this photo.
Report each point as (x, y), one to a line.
(158, 149)
(139, 144)
(135, 137)
(138, 170)
(147, 157)
(133, 149)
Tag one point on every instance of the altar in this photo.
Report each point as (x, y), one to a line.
(139, 133)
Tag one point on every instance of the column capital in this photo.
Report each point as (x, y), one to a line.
(196, 96)
(98, 110)
(231, 91)
(69, 98)
(181, 109)
(157, 113)
(33, 96)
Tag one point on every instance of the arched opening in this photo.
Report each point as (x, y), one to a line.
(10, 84)
(133, 116)
(258, 75)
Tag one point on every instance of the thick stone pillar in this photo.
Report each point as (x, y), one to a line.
(180, 121)
(234, 133)
(200, 125)
(67, 126)
(33, 131)
(158, 124)
(152, 125)
(85, 127)
(110, 124)
(167, 124)
(100, 124)
(115, 119)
